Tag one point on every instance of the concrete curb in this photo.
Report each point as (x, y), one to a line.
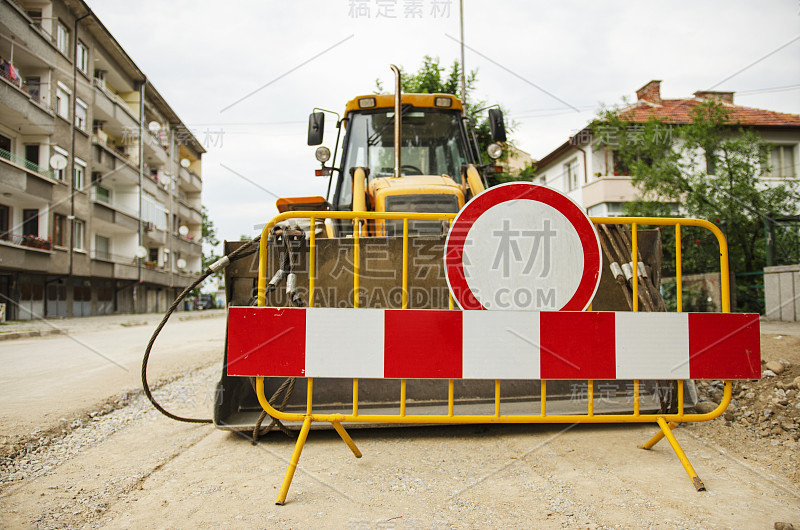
(72, 326)
(12, 335)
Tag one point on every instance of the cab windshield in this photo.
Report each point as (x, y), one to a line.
(432, 144)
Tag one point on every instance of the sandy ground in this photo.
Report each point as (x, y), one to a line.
(131, 467)
(48, 381)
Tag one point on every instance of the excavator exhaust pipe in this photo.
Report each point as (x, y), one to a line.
(397, 120)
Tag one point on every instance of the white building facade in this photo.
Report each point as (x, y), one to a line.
(585, 167)
(100, 181)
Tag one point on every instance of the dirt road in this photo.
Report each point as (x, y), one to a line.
(62, 376)
(132, 467)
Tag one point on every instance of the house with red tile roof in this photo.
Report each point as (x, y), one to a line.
(585, 166)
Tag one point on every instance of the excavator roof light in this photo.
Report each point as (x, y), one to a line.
(366, 103)
(442, 102)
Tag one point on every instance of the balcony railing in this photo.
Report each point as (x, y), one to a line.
(27, 164)
(191, 177)
(9, 72)
(153, 265)
(189, 238)
(105, 255)
(102, 255)
(33, 242)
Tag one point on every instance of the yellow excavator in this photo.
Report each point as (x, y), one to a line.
(399, 153)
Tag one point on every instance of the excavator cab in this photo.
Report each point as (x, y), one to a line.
(439, 167)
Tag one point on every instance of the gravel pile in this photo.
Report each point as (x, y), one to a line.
(768, 408)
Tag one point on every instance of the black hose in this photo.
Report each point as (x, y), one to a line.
(287, 387)
(216, 266)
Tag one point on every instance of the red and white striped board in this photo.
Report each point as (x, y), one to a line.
(420, 344)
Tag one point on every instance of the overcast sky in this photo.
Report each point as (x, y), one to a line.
(245, 75)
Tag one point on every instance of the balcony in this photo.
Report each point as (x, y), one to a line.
(156, 275)
(189, 181)
(17, 256)
(188, 213)
(22, 111)
(112, 109)
(17, 25)
(27, 165)
(188, 246)
(126, 271)
(112, 219)
(34, 243)
(608, 189)
(105, 255)
(116, 167)
(155, 154)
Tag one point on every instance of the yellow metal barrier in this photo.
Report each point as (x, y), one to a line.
(666, 422)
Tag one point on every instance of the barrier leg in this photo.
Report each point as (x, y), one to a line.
(657, 437)
(698, 484)
(346, 437)
(298, 448)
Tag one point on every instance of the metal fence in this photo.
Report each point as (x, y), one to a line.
(665, 421)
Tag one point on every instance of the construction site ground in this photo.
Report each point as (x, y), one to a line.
(121, 464)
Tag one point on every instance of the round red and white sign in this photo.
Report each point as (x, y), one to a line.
(524, 247)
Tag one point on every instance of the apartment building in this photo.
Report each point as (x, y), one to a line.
(586, 166)
(100, 181)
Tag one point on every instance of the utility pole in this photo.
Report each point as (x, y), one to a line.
(71, 167)
(463, 68)
(138, 290)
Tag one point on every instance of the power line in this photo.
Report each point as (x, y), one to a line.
(767, 90)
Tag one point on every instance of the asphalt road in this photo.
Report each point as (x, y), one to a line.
(61, 376)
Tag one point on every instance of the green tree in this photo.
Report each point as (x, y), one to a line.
(432, 78)
(711, 167)
(210, 243)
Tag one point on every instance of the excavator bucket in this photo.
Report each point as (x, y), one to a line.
(380, 271)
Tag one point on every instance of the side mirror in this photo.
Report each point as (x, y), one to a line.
(316, 127)
(496, 125)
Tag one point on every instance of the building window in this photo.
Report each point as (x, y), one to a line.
(80, 232)
(33, 85)
(153, 211)
(102, 247)
(62, 101)
(80, 114)
(80, 174)
(32, 156)
(620, 168)
(83, 58)
(5, 222)
(58, 174)
(36, 16)
(571, 175)
(102, 194)
(30, 222)
(782, 161)
(62, 38)
(59, 228)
